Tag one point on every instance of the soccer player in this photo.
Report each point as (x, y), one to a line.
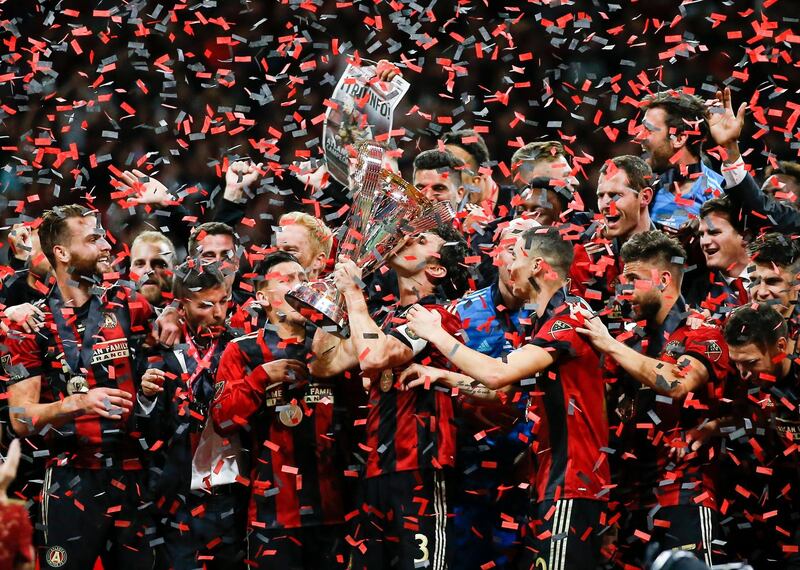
(670, 381)
(775, 276)
(405, 520)
(308, 239)
(764, 436)
(194, 473)
(559, 369)
(152, 262)
(73, 381)
(294, 425)
(439, 176)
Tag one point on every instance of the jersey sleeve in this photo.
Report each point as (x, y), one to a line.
(23, 358)
(238, 391)
(450, 323)
(559, 334)
(708, 346)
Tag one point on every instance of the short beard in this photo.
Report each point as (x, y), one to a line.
(649, 310)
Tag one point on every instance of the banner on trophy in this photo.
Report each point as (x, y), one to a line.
(363, 109)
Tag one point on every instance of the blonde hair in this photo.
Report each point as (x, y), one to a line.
(152, 236)
(321, 235)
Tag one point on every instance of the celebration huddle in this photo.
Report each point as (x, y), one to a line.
(365, 286)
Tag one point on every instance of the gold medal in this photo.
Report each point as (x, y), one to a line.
(291, 415)
(77, 385)
(387, 380)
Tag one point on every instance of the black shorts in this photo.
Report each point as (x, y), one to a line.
(87, 513)
(691, 528)
(564, 535)
(207, 530)
(404, 522)
(321, 547)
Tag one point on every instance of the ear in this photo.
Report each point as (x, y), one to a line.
(460, 193)
(646, 195)
(679, 140)
(782, 344)
(435, 271)
(318, 265)
(261, 297)
(61, 253)
(665, 279)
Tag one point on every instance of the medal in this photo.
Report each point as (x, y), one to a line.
(77, 385)
(387, 380)
(291, 415)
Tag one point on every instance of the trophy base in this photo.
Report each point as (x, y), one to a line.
(320, 304)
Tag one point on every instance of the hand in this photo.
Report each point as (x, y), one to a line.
(153, 382)
(285, 370)
(694, 440)
(19, 239)
(316, 178)
(168, 327)
(421, 375)
(698, 319)
(108, 403)
(424, 323)
(8, 468)
(596, 332)
(475, 217)
(725, 127)
(148, 189)
(240, 175)
(386, 70)
(347, 276)
(29, 316)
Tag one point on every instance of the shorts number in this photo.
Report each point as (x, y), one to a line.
(423, 548)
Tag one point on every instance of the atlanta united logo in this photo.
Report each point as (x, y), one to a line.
(674, 349)
(109, 320)
(559, 326)
(713, 350)
(56, 557)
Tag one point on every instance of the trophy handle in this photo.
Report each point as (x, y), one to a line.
(322, 306)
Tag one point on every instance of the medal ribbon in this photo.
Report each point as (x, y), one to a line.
(203, 363)
(76, 353)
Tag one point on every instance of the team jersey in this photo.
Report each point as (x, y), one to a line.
(411, 429)
(85, 347)
(567, 408)
(655, 421)
(296, 430)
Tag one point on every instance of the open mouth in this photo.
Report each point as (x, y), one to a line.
(611, 219)
(710, 251)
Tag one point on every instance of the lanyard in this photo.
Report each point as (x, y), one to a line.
(77, 353)
(203, 363)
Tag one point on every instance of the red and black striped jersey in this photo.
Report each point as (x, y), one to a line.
(117, 324)
(653, 423)
(568, 411)
(411, 429)
(296, 430)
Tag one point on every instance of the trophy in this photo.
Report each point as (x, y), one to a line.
(386, 209)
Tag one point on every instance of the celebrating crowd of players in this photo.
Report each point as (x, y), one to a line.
(532, 386)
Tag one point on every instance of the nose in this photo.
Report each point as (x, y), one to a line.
(103, 244)
(743, 372)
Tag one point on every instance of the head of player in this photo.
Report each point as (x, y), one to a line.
(307, 238)
(505, 247)
(152, 263)
(652, 274)
(432, 262)
(468, 146)
(723, 237)
(624, 194)
(439, 176)
(783, 182)
(276, 275)
(203, 298)
(543, 176)
(774, 272)
(542, 258)
(75, 244)
(673, 129)
(215, 242)
(758, 338)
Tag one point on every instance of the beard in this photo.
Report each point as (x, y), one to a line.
(154, 288)
(89, 267)
(648, 308)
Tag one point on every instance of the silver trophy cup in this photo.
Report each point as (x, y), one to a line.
(386, 209)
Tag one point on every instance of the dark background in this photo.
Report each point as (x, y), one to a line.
(179, 88)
